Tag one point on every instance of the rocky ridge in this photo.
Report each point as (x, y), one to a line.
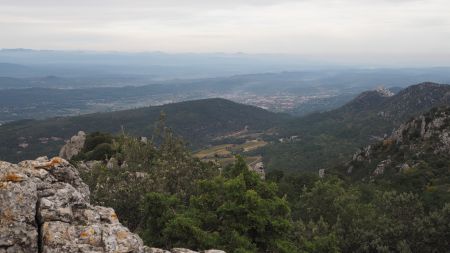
(73, 146)
(45, 208)
(385, 92)
(415, 99)
(419, 140)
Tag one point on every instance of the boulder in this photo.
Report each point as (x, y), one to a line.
(73, 146)
(181, 250)
(45, 208)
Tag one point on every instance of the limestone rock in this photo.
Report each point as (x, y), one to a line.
(44, 207)
(18, 200)
(181, 250)
(155, 250)
(362, 154)
(112, 162)
(259, 169)
(44, 204)
(381, 167)
(321, 173)
(85, 166)
(73, 146)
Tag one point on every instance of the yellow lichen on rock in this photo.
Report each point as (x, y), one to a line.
(47, 234)
(87, 233)
(13, 177)
(55, 161)
(122, 235)
(6, 216)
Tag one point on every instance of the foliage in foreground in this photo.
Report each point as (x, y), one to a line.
(174, 200)
(235, 211)
(331, 215)
(162, 164)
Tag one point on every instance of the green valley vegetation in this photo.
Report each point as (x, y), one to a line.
(199, 122)
(173, 199)
(216, 129)
(324, 139)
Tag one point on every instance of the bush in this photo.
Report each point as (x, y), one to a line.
(95, 139)
(101, 152)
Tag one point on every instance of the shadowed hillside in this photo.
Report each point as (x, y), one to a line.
(196, 121)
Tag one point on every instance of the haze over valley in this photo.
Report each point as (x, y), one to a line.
(63, 83)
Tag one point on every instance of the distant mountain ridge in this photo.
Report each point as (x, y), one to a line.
(407, 102)
(417, 98)
(365, 101)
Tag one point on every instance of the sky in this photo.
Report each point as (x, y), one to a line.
(346, 30)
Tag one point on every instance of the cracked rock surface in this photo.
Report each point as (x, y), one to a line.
(44, 208)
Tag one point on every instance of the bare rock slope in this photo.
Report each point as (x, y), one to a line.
(44, 207)
(420, 145)
(73, 146)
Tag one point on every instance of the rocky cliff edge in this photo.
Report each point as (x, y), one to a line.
(44, 208)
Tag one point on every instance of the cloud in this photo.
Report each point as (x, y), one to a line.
(363, 29)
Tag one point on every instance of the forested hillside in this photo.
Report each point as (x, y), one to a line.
(322, 139)
(305, 143)
(180, 201)
(414, 158)
(393, 196)
(198, 122)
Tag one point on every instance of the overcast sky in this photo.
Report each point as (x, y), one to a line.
(367, 30)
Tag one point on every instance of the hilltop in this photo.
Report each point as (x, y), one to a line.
(307, 143)
(326, 138)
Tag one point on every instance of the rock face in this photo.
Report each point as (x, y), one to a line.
(411, 144)
(44, 208)
(73, 146)
(385, 92)
(259, 169)
(432, 128)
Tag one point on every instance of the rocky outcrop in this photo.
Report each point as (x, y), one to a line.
(384, 92)
(73, 146)
(259, 169)
(379, 170)
(432, 128)
(362, 154)
(416, 99)
(44, 208)
(84, 166)
(410, 145)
